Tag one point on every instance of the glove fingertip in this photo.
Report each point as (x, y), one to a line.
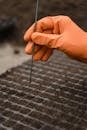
(44, 59)
(26, 50)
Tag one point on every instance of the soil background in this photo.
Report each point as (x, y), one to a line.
(24, 11)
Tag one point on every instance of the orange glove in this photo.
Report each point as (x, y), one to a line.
(58, 32)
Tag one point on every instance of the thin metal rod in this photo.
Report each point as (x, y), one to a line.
(35, 27)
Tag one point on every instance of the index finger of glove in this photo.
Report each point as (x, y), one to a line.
(49, 40)
(42, 25)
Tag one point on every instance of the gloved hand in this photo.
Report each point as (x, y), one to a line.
(58, 32)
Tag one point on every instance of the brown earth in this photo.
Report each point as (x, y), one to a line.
(56, 99)
(24, 11)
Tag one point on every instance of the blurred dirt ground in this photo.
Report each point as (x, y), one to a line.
(24, 11)
(9, 59)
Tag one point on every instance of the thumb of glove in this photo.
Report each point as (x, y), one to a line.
(49, 40)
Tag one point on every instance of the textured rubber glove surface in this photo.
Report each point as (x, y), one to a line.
(58, 32)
